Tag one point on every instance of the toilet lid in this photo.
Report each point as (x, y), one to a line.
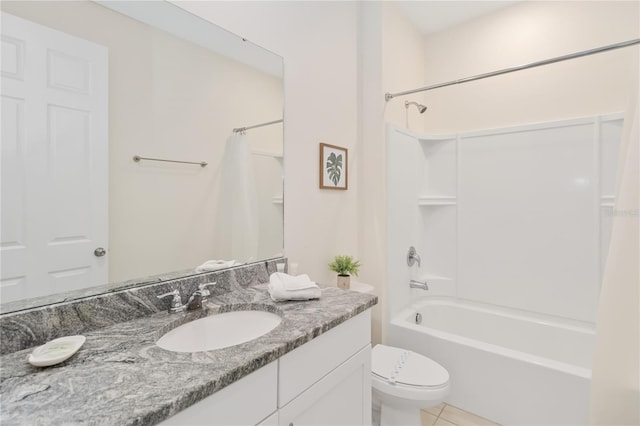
(406, 367)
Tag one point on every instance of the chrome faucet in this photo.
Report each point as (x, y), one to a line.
(419, 284)
(413, 257)
(195, 300)
(176, 302)
(199, 297)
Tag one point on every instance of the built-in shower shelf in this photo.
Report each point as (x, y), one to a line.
(438, 200)
(277, 199)
(608, 201)
(437, 139)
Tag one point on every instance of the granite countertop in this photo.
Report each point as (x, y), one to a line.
(120, 377)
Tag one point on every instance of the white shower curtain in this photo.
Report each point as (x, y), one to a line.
(237, 228)
(615, 388)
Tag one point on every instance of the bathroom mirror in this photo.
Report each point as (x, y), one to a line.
(86, 87)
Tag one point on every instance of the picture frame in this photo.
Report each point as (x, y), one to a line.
(334, 167)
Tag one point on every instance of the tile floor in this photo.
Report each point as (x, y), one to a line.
(448, 415)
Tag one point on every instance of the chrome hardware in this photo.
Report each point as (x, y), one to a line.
(137, 159)
(176, 302)
(195, 300)
(421, 108)
(99, 252)
(419, 284)
(244, 129)
(203, 286)
(418, 318)
(413, 257)
(199, 297)
(388, 96)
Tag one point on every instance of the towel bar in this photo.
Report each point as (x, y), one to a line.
(137, 158)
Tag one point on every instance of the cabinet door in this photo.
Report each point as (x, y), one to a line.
(343, 397)
(245, 402)
(309, 363)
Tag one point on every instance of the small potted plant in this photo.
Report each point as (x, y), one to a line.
(344, 266)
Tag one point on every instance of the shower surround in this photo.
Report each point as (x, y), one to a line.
(514, 219)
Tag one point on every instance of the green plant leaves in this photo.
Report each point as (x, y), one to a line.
(334, 167)
(345, 265)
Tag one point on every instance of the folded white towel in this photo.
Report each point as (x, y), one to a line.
(289, 282)
(286, 287)
(213, 265)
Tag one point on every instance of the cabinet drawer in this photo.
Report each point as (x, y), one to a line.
(302, 367)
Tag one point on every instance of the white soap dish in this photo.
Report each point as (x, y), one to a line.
(55, 351)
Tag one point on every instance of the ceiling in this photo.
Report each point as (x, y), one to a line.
(433, 16)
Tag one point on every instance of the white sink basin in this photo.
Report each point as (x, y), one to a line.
(219, 331)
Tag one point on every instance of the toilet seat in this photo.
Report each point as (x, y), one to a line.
(407, 374)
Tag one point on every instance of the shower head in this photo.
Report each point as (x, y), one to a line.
(420, 107)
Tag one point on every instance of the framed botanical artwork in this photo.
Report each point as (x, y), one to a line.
(333, 167)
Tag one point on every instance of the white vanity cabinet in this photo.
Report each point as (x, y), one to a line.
(326, 381)
(342, 397)
(245, 402)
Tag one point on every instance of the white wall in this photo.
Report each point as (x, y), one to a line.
(615, 390)
(318, 42)
(403, 67)
(372, 179)
(391, 59)
(523, 33)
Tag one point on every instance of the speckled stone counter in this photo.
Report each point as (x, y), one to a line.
(91, 309)
(120, 377)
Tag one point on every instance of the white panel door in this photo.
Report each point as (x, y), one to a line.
(54, 161)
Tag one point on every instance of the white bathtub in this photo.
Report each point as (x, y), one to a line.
(511, 367)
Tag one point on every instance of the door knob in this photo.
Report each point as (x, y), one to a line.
(99, 252)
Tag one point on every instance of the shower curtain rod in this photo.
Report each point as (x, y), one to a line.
(389, 96)
(242, 129)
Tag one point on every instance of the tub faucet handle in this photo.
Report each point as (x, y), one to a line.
(413, 257)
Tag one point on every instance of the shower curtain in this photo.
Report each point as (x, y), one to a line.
(615, 388)
(237, 229)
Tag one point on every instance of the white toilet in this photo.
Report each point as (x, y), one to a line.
(404, 382)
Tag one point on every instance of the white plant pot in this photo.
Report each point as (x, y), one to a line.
(344, 281)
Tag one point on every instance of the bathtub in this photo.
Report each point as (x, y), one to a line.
(512, 367)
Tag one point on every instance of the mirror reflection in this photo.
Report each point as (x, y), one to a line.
(88, 86)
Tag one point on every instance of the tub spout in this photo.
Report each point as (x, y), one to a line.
(419, 284)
